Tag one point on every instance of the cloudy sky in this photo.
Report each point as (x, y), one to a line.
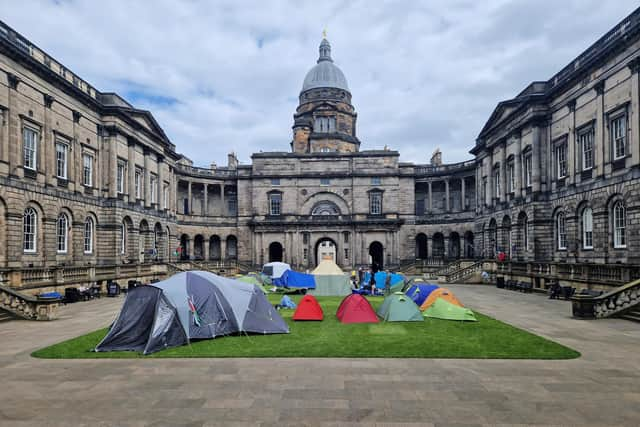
(225, 76)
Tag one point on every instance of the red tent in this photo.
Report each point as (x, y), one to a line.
(356, 309)
(308, 309)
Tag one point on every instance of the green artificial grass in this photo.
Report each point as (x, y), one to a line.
(485, 339)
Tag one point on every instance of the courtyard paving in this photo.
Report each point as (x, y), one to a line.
(602, 388)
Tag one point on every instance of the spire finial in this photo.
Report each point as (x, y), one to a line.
(324, 33)
(325, 48)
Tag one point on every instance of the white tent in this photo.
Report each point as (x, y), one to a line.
(330, 280)
(327, 268)
(275, 270)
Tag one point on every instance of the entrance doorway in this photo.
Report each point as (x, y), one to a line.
(275, 252)
(376, 254)
(326, 249)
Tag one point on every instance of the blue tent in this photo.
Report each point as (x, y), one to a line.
(381, 278)
(293, 279)
(420, 291)
(287, 302)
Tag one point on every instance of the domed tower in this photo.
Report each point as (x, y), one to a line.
(325, 120)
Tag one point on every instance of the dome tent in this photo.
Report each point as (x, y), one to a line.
(443, 309)
(356, 309)
(443, 293)
(330, 279)
(308, 309)
(190, 305)
(398, 307)
(419, 292)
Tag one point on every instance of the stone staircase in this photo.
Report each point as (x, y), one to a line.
(464, 272)
(622, 302)
(6, 316)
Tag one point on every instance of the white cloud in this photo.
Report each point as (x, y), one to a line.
(422, 75)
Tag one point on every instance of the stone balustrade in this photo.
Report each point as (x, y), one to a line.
(27, 306)
(607, 305)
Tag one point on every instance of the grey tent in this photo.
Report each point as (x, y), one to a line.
(190, 305)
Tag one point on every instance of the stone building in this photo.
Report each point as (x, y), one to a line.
(92, 189)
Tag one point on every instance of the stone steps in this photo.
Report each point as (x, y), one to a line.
(633, 315)
(6, 316)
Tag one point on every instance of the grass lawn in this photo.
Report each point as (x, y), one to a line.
(486, 339)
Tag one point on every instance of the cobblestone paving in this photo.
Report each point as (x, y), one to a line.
(602, 388)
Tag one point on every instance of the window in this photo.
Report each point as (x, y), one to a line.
(587, 228)
(123, 238)
(275, 202)
(165, 196)
(376, 180)
(137, 183)
(62, 233)
(561, 231)
(30, 147)
(120, 177)
(325, 182)
(305, 253)
(325, 208)
(232, 205)
(275, 181)
(585, 141)
(325, 124)
(87, 170)
(61, 160)
(420, 207)
(561, 160)
(619, 136)
(496, 182)
(346, 254)
(29, 230)
(484, 190)
(88, 235)
(153, 189)
(375, 203)
(346, 236)
(528, 167)
(525, 232)
(619, 225)
(511, 177)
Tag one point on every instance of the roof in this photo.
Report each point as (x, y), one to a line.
(325, 73)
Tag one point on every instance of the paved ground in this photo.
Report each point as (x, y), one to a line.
(602, 388)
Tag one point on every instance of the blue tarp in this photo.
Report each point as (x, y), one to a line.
(420, 291)
(293, 279)
(286, 302)
(381, 277)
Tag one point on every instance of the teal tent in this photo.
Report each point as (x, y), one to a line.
(443, 309)
(398, 307)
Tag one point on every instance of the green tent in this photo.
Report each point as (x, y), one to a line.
(398, 307)
(443, 309)
(254, 281)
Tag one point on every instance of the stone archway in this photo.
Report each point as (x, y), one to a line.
(469, 251)
(275, 252)
(326, 248)
(421, 246)
(454, 245)
(198, 247)
(184, 247)
(376, 254)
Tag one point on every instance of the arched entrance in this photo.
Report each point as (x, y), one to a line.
(232, 248)
(421, 246)
(438, 245)
(214, 248)
(454, 245)
(275, 252)
(492, 239)
(326, 248)
(506, 243)
(198, 247)
(376, 254)
(184, 247)
(468, 245)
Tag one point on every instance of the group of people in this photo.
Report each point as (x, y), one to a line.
(357, 279)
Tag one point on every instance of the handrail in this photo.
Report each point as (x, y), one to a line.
(609, 304)
(27, 306)
(464, 272)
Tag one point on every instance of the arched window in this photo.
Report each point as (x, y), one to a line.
(62, 232)
(29, 230)
(587, 228)
(619, 225)
(88, 235)
(325, 208)
(123, 238)
(561, 231)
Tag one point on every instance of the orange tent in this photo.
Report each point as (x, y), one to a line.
(443, 293)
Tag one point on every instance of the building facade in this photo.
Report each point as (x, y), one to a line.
(92, 189)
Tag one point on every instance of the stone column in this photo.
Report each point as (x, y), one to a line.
(535, 160)
(462, 195)
(430, 197)
(223, 209)
(446, 192)
(600, 128)
(429, 247)
(192, 246)
(147, 178)
(223, 248)
(517, 169)
(571, 143)
(503, 174)
(189, 201)
(4, 140)
(205, 249)
(75, 178)
(111, 142)
(131, 157)
(160, 190)
(15, 130)
(49, 162)
(205, 208)
(634, 119)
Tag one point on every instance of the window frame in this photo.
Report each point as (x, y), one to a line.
(275, 204)
(121, 173)
(561, 231)
(275, 182)
(62, 233)
(65, 161)
(613, 119)
(137, 183)
(495, 175)
(153, 188)
(123, 238)
(376, 180)
(586, 135)
(32, 214)
(325, 182)
(583, 220)
(560, 151)
(375, 203)
(89, 227)
(34, 151)
(528, 168)
(619, 230)
(511, 176)
(86, 156)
